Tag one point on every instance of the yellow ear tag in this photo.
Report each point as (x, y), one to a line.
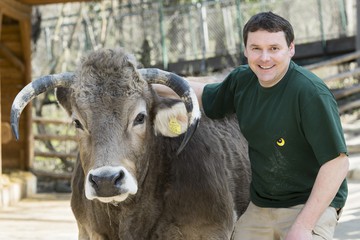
(174, 125)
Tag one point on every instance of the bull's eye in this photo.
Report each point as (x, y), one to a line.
(78, 124)
(140, 118)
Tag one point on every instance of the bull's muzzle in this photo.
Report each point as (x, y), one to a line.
(110, 184)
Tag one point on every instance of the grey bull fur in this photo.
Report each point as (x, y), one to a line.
(129, 182)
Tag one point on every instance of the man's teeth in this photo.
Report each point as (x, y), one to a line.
(264, 67)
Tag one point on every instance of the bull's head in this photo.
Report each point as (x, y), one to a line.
(112, 107)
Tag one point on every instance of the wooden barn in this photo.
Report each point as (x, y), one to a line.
(15, 73)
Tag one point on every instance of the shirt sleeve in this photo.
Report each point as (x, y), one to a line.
(322, 127)
(218, 98)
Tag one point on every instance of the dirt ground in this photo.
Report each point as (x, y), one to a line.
(43, 216)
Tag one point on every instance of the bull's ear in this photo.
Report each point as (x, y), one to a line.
(171, 118)
(63, 96)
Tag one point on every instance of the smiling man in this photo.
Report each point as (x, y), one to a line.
(296, 144)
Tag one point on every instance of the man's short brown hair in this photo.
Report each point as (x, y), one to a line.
(270, 22)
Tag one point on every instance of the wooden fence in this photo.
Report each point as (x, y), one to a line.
(342, 93)
(348, 97)
(42, 137)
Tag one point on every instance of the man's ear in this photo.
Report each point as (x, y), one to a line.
(171, 118)
(292, 49)
(63, 96)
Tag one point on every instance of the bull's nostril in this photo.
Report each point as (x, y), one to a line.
(120, 176)
(92, 180)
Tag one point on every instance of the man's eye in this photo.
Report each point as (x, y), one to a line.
(140, 118)
(77, 124)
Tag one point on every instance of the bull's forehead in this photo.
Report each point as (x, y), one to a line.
(109, 86)
(111, 72)
(108, 89)
(106, 95)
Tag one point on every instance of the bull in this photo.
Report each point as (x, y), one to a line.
(143, 170)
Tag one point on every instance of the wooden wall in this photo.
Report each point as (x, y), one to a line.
(15, 73)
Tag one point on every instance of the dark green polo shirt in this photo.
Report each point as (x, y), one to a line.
(292, 129)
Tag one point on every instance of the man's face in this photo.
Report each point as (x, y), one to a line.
(268, 56)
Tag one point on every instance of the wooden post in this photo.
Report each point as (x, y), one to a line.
(1, 15)
(0, 136)
(25, 27)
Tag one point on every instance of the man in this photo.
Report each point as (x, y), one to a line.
(296, 144)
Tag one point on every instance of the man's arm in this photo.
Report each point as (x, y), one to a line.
(327, 183)
(164, 91)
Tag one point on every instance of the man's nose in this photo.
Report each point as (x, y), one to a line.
(265, 56)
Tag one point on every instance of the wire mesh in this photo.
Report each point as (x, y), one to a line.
(156, 33)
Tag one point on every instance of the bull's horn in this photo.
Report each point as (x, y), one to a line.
(33, 89)
(186, 93)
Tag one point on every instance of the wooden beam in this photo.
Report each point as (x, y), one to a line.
(15, 10)
(12, 57)
(346, 92)
(55, 154)
(353, 148)
(343, 75)
(41, 120)
(25, 36)
(349, 106)
(6, 134)
(41, 173)
(1, 16)
(334, 61)
(25, 31)
(43, 137)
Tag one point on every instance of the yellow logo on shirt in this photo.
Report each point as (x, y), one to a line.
(280, 142)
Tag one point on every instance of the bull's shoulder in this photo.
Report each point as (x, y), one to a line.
(206, 175)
